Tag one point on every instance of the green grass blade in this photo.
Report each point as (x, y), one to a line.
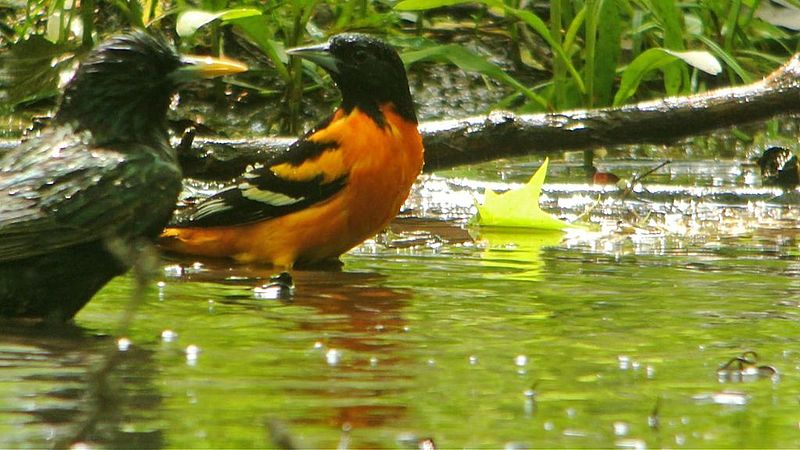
(538, 25)
(646, 62)
(421, 5)
(472, 62)
(259, 30)
(607, 51)
(726, 57)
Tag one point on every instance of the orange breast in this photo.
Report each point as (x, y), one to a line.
(381, 165)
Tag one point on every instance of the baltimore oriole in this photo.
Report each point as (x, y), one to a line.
(340, 184)
(80, 198)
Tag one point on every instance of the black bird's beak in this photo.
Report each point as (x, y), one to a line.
(317, 54)
(194, 67)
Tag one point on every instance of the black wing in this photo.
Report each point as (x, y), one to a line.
(57, 191)
(262, 194)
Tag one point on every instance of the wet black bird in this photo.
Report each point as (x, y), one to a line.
(779, 168)
(78, 201)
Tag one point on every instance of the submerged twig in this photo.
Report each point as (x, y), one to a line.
(279, 435)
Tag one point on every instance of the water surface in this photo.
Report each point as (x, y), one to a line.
(471, 338)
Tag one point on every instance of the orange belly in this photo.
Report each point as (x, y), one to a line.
(382, 165)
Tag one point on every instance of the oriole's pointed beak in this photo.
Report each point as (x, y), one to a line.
(318, 54)
(194, 67)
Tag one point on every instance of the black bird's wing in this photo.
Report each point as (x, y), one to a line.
(57, 191)
(309, 172)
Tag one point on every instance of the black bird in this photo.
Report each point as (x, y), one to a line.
(779, 168)
(78, 202)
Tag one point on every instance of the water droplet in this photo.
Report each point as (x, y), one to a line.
(173, 271)
(529, 393)
(333, 357)
(317, 345)
(407, 439)
(574, 433)
(473, 360)
(650, 371)
(730, 398)
(624, 362)
(123, 344)
(637, 444)
(680, 439)
(548, 426)
(271, 292)
(280, 287)
(571, 413)
(379, 327)
(192, 351)
(427, 444)
(169, 336)
(621, 428)
(431, 362)
(521, 360)
(373, 361)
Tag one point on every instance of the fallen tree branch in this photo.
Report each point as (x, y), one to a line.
(451, 143)
(501, 134)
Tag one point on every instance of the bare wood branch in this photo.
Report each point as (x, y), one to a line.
(502, 134)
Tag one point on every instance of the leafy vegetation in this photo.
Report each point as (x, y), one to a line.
(545, 56)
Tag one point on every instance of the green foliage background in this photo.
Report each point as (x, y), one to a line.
(548, 56)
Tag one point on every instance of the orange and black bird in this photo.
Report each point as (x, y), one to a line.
(338, 185)
(98, 183)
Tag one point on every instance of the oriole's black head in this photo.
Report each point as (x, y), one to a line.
(368, 71)
(123, 87)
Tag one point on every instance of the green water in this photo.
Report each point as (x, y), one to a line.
(605, 339)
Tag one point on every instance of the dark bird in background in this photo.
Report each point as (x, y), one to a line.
(340, 184)
(79, 201)
(779, 168)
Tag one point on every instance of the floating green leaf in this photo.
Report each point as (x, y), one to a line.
(519, 207)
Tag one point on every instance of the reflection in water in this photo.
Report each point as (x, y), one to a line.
(428, 334)
(52, 393)
(357, 322)
(516, 249)
(364, 313)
